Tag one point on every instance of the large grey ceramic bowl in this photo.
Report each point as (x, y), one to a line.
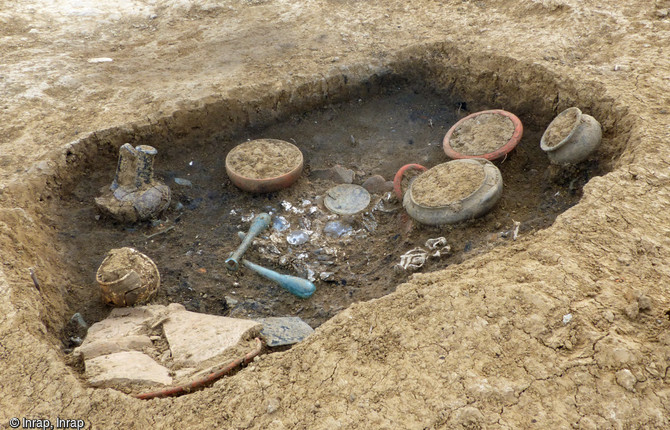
(483, 197)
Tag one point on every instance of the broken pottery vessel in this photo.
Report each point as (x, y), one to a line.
(134, 194)
(127, 277)
(154, 345)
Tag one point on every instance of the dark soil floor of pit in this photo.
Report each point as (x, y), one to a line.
(373, 136)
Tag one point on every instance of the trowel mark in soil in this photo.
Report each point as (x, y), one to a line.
(398, 127)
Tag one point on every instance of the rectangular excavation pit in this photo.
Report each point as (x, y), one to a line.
(373, 127)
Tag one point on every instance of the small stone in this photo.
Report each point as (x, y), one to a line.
(183, 182)
(79, 320)
(337, 174)
(231, 301)
(626, 379)
(567, 318)
(273, 406)
(609, 316)
(644, 303)
(343, 175)
(377, 185)
(280, 331)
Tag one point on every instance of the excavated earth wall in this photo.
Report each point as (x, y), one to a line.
(482, 344)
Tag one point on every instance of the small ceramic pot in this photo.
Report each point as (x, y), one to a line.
(265, 185)
(477, 203)
(493, 155)
(581, 138)
(127, 277)
(134, 194)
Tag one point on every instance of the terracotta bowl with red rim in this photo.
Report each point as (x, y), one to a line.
(414, 169)
(266, 184)
(493, 155)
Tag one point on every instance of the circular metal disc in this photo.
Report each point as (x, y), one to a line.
(347, 199)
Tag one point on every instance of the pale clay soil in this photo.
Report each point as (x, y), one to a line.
(482, 344)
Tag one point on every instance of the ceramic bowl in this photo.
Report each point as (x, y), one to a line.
(498, 153)
(265, 185)
(483, 197)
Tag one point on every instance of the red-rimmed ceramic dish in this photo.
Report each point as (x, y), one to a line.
(414, 169)
(498, 153)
